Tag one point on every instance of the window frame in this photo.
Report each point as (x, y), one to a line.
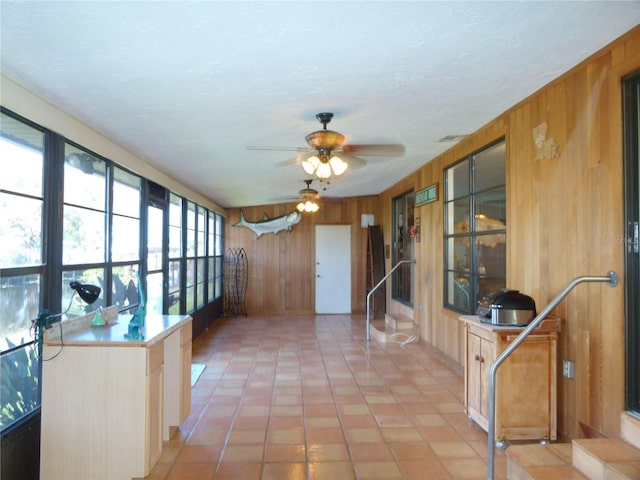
(403, 213)
(464, 277)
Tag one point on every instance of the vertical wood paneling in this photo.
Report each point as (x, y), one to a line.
(282, 267)
(564, 218)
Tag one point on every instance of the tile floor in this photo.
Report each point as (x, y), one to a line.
(301, 398)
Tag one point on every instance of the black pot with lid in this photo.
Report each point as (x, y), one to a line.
(507, 307)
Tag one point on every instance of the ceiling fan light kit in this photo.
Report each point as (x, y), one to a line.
(308, 207)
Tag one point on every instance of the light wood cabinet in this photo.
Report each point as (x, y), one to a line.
(525, 382)
(103, 398)
(177, 373)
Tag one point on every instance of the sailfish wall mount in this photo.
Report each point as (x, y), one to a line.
(270, 225)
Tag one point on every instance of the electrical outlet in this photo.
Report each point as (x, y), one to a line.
(568, 369)
(420, 305)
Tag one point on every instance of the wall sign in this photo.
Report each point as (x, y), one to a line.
(428, 195)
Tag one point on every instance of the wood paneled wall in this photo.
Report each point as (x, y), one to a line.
(564, 220)
(564, 217)
(282, 266)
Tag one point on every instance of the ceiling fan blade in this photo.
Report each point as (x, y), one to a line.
(292, 161)
(382, 150)
(353, 161)
(279, 149)
(330, 200)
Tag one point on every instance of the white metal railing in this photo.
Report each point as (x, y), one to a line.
(611, 278)
(376, 287)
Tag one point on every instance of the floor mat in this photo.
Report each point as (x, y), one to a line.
(196, 371)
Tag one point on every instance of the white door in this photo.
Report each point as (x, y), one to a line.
(333, 269)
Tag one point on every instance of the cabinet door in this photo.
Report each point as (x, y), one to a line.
(525, 383)
(486, 358)
(185, 397)
(474, 381)
(153, 432)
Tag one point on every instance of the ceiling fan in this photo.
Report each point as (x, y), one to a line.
(308, 199)
(327, 155)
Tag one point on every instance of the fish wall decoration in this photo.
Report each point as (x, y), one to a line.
(270, 225)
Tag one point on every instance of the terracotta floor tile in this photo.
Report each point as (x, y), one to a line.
(371, 470)
(327, 452)
(285, 453)
(331, 471)
(411, 451)
(284, 471)
(290, 436)
(243, 453)
(192, 472)
(303, 398)
(370, 452)
(421, 469)
(199, 454)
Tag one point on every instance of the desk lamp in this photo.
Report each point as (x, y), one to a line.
(88, 293)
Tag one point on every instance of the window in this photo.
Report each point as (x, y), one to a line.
(403, 220)
(22, 204)
(475, 228)
(190, 291)
(175, 253)
(68, 214)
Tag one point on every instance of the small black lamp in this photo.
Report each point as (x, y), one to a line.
(88, 293)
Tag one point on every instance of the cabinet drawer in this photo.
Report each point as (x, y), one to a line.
(186, 333)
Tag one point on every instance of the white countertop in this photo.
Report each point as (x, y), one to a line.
(156, 328)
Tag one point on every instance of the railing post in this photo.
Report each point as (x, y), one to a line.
(611, 278)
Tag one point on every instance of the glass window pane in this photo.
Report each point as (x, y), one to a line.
(201, 232)
(124, 288)
(191, 230)
(84, 179)
(83, 236)
(201, 275)
(21, 145)
(491, 210)
(19, 304)
(125, 233)
(126, 193)
(458, 213)
(20, 231)
(154, 293)
(458, 254)
(175, 226)
(154, 238)
(19, 384)
(491, 255)
(219, 276)
(457, 181)
(459, 292)
(488, 168)
(174, 286)
(219, 235)
(211, 292)
(72, 304)
(191, 281)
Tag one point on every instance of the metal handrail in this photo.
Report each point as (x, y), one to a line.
(376, 287)
(611, 278)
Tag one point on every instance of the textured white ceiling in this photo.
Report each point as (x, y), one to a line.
(189, 85)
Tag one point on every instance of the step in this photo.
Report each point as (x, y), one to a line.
(383, 332)
(541, 462)
(630, 429)
(399, 322)
(606, 458)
